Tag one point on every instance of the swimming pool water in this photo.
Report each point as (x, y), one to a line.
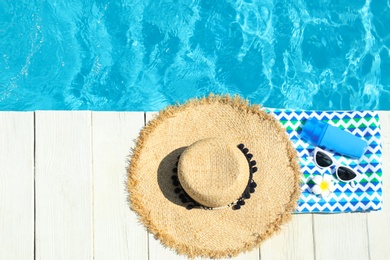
(140, 55)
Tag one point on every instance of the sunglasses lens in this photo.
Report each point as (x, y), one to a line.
(323, 160)
(345, 174)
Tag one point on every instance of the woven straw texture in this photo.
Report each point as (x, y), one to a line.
(214, 163)
(213, 233)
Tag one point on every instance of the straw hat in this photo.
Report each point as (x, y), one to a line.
(213, 177)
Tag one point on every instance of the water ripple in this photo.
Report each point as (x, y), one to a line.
(144, 55)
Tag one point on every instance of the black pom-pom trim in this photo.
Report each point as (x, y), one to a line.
(185, 198)
(250, 188)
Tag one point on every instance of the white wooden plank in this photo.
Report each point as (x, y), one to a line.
(117, 234)
(358, 235)
(63, 185)
(156, 249)
(149, 116)
(379, 222)
(16, 185)
(295, 241)
(341, 236)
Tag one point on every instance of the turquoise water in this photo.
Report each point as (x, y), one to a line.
(144, 54)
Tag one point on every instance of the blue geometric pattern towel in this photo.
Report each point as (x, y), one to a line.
(367, 194)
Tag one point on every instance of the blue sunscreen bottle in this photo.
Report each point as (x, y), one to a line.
(333, 138)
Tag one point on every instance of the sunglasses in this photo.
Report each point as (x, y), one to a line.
(323, 159)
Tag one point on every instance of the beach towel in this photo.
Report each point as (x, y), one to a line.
(367, 194)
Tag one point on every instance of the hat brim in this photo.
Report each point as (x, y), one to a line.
(213, 233)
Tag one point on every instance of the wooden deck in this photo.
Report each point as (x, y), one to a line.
(62, 196)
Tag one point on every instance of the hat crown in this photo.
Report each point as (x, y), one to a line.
(213, 172)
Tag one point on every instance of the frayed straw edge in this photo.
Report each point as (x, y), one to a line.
(143, 214)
